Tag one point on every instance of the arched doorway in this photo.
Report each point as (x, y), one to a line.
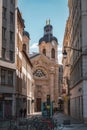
(38, 104)
(38, 99)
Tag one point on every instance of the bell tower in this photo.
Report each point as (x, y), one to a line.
(48, 28)
(48, 44)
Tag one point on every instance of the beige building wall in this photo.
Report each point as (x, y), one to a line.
(77, 58)
(25, 82)
(66, 67)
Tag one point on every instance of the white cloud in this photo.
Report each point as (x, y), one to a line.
(60, 49)
(60, 54)
(60, 58)
(34, 48)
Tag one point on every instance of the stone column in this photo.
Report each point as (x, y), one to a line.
(13, 105)
(56, 93)
(52, 84)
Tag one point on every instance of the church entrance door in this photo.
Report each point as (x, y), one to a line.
(38, 104)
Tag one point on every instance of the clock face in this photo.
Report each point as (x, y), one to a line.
(53, 43)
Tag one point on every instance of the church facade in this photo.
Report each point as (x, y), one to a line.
(45, 69)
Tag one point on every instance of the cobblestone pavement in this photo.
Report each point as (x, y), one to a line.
(70, 123)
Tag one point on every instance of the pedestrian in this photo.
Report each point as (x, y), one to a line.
(21, 112)
(24, 112)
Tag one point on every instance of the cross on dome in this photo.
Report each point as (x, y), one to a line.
(48, 22)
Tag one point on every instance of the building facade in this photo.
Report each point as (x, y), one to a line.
(45, 69)
(24, 78)
(66, 71)
(77, 57)
(60, 88)
(16, 79)
(7, 57)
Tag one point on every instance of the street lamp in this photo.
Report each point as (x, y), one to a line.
(65, 52)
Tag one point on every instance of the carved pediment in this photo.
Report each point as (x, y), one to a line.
(41, 61)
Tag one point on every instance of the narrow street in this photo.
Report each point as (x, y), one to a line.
(43, 65)
(68, 122)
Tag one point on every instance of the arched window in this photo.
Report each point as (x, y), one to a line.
(44, 52)
(53, 53)
(24, 47)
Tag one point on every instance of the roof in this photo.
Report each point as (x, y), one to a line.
(34, 55)
(25, 33)
(48, 38)
(48, 34)
(27, 58)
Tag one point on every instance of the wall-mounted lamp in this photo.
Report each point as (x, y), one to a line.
(65, 52)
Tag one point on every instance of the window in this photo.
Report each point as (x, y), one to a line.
(11, 55)
(44, 52)
(12, 1)
(6, 77)
(24, 81)
(29, 86)
(28, 106)
(4, 12)
(3, 53)
(10, 77)
(47, 30)
(3, 33)
(11, 17)
(52, 53)
(11, 36)
(24, 47)
(3, 76)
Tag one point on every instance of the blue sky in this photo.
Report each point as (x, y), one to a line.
(36, 12)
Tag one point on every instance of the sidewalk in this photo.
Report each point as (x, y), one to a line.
(36, 113)
(70, 123)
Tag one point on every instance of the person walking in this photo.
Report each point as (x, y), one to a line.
(24, 112)
(21, 112)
